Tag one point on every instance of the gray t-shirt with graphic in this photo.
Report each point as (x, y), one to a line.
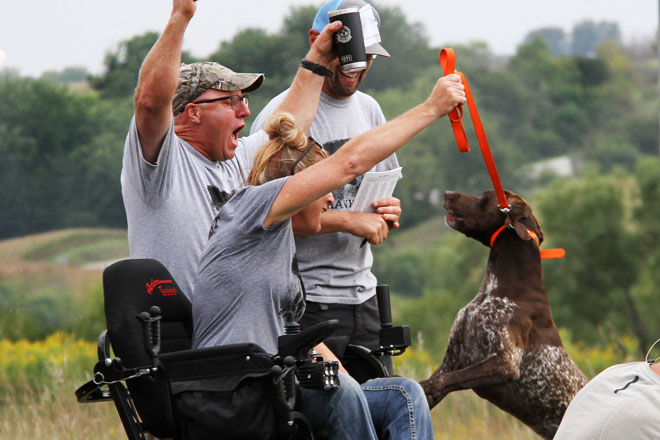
(622, 402)
(335, 267)
(246, 279)
(168, 207)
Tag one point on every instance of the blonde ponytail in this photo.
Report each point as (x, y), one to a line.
(287, 143)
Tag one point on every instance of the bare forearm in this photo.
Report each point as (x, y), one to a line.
(303, 97)
(362, 152)
(159, 74)
(331, 221)
(158, 80)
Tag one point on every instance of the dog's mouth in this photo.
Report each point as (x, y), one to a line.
(452, 220)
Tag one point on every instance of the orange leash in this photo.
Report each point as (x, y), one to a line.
(448, 62)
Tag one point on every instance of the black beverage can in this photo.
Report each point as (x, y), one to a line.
(348, 41)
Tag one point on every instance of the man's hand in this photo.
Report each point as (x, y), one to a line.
(370, 225)
(447, 93)
(185, 8)
(390, 210)
(322, 51)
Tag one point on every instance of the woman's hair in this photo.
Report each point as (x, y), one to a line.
(288, 148)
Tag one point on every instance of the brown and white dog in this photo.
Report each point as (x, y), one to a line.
(504, 344)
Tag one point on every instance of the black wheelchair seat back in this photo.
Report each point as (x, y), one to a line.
(132, 287)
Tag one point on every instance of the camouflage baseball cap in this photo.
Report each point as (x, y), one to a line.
(196, 78)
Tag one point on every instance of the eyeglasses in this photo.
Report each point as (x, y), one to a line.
(310, 143)
(236, 101)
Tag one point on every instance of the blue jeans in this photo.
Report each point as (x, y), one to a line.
(392, 407)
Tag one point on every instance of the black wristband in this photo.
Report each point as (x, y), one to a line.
(316, 68)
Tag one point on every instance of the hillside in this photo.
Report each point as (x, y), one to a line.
(52, 281)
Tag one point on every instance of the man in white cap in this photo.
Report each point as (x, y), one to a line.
(184, 139)
(336, 265)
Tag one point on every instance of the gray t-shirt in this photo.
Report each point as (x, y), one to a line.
(168, 207)
(246, 279)
(622, 402)
(335, 267)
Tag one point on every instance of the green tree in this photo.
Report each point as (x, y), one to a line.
(67, 75)
(61, 153)
(408, 46)
(122, 66)
(591, 289)
(554, 37)
(588, 35)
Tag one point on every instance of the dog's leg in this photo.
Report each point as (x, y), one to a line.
(494, 369)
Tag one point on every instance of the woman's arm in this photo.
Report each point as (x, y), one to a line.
(363, 152)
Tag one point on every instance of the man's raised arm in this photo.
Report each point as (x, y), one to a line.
(158, 80)
(302, 100)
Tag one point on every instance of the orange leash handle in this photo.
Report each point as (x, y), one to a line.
(448, 62)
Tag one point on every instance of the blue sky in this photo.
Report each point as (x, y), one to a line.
(39, 35)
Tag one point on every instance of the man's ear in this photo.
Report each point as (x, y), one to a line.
(313, 35)
(193, 113)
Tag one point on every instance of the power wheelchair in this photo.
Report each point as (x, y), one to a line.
(161, 386)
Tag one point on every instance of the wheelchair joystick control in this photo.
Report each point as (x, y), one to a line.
(394, 340)
(384, 305)
(291, 327)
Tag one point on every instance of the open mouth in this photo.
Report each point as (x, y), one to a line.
(351, 75)
(451, 219)
(234, 134)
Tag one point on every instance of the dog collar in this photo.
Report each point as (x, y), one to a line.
(546, 254)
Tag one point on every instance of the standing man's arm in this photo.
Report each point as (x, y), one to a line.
(373, 226)
(303, 97)
(159, 77)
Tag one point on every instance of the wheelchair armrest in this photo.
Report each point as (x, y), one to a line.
(299, 344)
(94, 391)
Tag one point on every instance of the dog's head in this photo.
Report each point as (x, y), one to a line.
(480, 217)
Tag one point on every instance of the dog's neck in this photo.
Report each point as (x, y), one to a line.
(516, 263)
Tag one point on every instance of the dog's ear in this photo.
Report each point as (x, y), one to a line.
(538, 228)
(523, 225)
(521, 229)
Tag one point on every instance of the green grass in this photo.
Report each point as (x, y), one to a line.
(39, 379)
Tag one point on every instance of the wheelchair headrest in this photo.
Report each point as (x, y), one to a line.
(134, 286)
